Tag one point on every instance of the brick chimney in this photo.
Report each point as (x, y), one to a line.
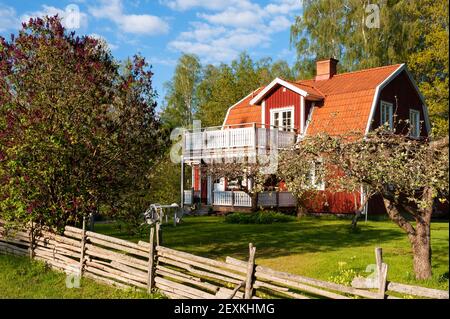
(326, 69)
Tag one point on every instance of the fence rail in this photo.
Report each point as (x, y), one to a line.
(181, 275)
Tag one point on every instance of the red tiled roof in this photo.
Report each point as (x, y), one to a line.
(311, 90)
(243, 112)
(348, 98)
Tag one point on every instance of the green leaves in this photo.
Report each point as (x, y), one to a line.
(77, 129)
(413, 32)
(393, 165)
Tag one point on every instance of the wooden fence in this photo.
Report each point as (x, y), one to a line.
(151, 266)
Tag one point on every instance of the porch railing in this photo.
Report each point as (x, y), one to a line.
(243, 199)
(266, 199)
(188, 200)
(190, 196)
(208, 141)
(230, 198)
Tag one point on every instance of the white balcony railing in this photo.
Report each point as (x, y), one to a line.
(206, 142)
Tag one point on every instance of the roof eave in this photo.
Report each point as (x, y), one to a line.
(277, 81)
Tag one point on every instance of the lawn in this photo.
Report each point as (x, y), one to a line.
(312, 246)
(20, 278)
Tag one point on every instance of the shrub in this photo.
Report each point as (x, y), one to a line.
(262, 217)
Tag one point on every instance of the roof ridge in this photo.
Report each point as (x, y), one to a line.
(369, 69)
(353, 72)
(311, 86)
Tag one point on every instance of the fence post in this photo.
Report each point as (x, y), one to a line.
(83, 246)
(250, 272)
(31, 249)
(158, 234)
(151, 261)
(381, 272)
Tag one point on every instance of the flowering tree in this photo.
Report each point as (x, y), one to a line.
(409, 174)
(77, 130)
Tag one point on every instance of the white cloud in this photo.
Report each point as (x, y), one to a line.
(283, 7)
(221, 47)
(202, 32)
(67, 16)
(129, 23)
(232, 26)
(182, 5)
(8, 18)
(234, 17)
(279, 23)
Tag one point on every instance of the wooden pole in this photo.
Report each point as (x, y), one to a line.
(83, 245)
(250, 272)
(151, 261)
(158, 234)
(32, 241)
(182, 182)
(381, 272)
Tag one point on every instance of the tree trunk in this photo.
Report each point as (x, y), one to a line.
(301, 211)
(421, 243)
(421, 247)
(355, 220)
(418, 236)
(254, 197)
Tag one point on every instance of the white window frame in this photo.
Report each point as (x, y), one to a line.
(281, 110)
(390, 113)
(415, 125)
(318, 184)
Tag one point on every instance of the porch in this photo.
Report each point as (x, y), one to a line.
(241, 199)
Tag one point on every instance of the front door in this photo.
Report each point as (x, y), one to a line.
(204, 188)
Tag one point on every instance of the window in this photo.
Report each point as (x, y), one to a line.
(283, 118)
(414, 120)
(316, 175)
(386, 114)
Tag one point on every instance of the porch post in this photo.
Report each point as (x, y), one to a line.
(182, 184)
(302, 114)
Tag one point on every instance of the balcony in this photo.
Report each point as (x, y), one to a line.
(243, 139)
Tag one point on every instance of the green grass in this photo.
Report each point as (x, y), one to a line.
(312, 246)
(20, 278)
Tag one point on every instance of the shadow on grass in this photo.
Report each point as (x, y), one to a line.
(211, 237)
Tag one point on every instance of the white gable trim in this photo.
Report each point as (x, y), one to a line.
(309, 117)
(377, 94)
(422, 99)
(263, 113)
(228, 112)
(279, 81)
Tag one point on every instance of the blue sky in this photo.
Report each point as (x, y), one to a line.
(216, 30)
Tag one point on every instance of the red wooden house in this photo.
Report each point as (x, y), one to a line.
(284, 112)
